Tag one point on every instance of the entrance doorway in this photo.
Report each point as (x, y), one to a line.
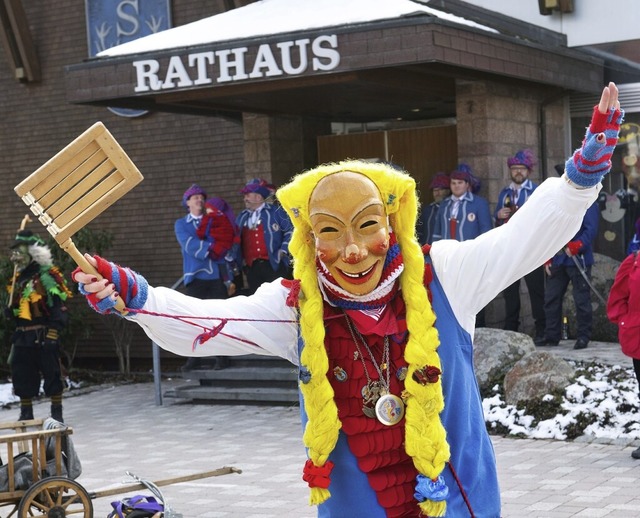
(420, 151)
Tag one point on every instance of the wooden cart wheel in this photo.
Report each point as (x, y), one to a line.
(55, 497)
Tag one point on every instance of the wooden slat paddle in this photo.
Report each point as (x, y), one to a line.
(78, 184)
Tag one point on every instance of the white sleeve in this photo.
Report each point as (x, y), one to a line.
(259, 324)
(474, 272)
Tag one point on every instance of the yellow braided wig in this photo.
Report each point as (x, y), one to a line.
(425, 438)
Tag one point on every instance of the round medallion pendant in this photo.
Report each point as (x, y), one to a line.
(389, 409)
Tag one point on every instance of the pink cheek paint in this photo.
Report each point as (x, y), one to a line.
(381, 248)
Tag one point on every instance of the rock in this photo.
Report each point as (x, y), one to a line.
(496, 352)
(535, 375)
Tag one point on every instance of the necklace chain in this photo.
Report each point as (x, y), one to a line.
(386, 383)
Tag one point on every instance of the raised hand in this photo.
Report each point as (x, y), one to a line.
(118, 281)
(592, 161)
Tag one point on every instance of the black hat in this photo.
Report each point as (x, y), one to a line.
(26, 237)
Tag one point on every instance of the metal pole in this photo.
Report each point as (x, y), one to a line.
(157, 370)
(157, 373)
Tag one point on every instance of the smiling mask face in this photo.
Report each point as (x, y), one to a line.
(350, 229)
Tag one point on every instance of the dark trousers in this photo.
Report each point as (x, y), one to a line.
(206, 289)
(535, 285)
(261, 271)
(636, 368)
(32, 357)
(557, 284)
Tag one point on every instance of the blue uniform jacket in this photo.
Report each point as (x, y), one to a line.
(196, 263)
(587, 235)
(277, 230)
(427, 222)
(506, 197)
(474, 218)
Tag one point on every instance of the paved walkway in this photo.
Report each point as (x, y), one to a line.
(120, 428)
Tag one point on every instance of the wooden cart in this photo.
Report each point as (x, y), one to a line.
(51, 493)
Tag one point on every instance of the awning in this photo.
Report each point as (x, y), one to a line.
(375, 60)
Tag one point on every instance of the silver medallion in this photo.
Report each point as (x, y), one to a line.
(389, 409)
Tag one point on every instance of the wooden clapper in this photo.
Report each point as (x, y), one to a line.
(77, 185)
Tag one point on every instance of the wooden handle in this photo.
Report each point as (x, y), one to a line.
(186, 478)
(70, 247)
(25, 220)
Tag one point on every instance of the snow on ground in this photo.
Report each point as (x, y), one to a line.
(603, 403)
(7, 397)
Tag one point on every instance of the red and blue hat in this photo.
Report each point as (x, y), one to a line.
(440, 181)
(523, 157)
(259, 186)
(192, 191)
(462, 172)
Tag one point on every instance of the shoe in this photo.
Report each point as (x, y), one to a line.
(222, 362)
(26, 414)
(636, 454)
(551, 343)
(539, 341)
(56, 413)
(581, 343)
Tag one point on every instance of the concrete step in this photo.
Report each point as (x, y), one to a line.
(247, 379)
(222, 394)
(270, 373)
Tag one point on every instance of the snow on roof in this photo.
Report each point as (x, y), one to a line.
(268, 17)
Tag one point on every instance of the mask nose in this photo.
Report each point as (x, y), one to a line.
(354, 254)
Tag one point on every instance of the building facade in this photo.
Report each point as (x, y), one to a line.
(425, 91)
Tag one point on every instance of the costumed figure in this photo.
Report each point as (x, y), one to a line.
(393, 421)
(38, 309)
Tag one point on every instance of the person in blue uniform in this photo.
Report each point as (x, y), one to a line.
(463, 215)
(439, 186)
(571, 265)
(265, 231)
(510, 199)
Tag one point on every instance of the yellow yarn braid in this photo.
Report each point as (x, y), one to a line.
(425, 438)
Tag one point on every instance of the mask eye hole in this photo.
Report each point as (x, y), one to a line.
(368, 223)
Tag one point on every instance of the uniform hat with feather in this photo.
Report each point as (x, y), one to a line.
(462, 172)
(440, 181)
(523, 157)
(259, 186)
(192, 191)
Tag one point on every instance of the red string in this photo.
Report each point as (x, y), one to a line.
(464, 495)
(210, 332)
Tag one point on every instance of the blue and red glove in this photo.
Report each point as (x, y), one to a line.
(592, 161)
(132, 287)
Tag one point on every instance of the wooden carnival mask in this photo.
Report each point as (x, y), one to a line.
(350, 229)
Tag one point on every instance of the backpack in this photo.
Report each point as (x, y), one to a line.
(137, 506)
